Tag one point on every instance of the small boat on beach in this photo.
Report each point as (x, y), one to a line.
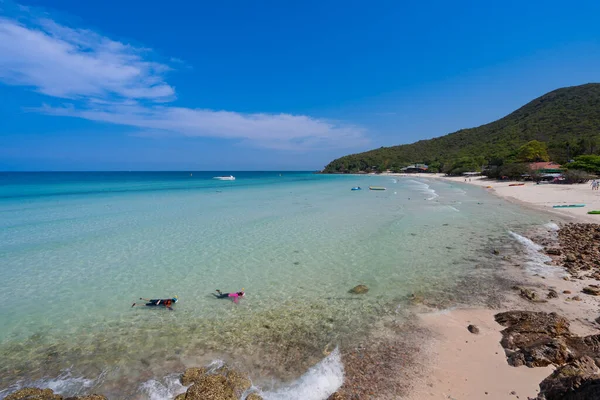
(594, 212)
(376, 188)
(568, 206)
(516, 184)
(225, 178)
(356, 188)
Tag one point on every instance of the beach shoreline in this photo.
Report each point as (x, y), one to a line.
(540, 197)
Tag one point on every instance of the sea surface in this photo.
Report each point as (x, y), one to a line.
(77, 249)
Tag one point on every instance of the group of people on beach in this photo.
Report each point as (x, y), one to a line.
(595, 184)
(168, 303)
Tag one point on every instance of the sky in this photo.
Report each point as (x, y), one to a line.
(270, 85)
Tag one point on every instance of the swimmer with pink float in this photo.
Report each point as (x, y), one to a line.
(235, 296)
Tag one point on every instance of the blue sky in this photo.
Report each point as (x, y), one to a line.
(234, 85)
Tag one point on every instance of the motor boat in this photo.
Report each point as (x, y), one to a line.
(225, 178)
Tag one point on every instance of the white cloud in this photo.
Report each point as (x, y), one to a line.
(113, 82)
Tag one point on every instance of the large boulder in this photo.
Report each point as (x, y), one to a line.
(223, 384)
(192, 375)
(33, 394)
(535, 339)
(211, 387)
(578, 380)
(359, 289)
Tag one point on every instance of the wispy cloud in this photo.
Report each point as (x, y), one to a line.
(110, 81)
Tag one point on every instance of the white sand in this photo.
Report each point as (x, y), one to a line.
(466, 366)
(543, 196)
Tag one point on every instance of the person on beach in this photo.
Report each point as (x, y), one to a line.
(235, 296)
(168, 303)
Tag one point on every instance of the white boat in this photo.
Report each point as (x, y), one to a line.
(225, 178)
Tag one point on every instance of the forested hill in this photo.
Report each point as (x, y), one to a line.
(567, 120)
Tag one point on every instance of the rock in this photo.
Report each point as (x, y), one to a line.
(552, 294)
(211, 387)
(566, 291)
(180, 397)
(192, 375)
(597, 320)
(576, 298)
(531, 295)
(473, 329)
(496, 252)
(553, 251)
(336, 396)
(592, 291)
(88, 397)
(535, 339)
(359, 289)
(237, 381)
(578, 380)
(253, 396)
(33, 394)
(570, 258)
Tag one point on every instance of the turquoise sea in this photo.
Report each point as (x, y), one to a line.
(77, 249)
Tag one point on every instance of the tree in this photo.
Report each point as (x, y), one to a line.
(589, 163)
(533, 151)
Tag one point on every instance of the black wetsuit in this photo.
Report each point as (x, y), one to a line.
(159, 302)
(221, 295)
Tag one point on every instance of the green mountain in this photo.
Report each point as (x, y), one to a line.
(567, 120)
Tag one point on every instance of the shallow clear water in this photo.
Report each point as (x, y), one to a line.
(76, 250)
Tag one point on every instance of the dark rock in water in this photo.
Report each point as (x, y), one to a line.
(33, 394)
(336, 396)
(473, 329)
(88, 397)
(506, 258)
(180, 396)
(192, 375)
(360, 289)
(597, 320)
(591, 290)
(566, 291)
(576, 298)
(553, 251)
(578, 380)
(237, 381)
(535, 339)
(253, 396)
(552, 294)
(496, 252)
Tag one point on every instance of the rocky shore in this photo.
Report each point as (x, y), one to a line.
(551, 321)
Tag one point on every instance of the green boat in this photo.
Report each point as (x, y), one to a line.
(376, 188)
(569, 206)
(594, 212)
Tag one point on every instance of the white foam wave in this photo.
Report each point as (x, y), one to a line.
(64, 384)
(165, 389)
(536, 263)
(453, 208)
(318, 383)
(425, 188)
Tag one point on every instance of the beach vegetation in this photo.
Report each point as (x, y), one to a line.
(589, 163)
(576, 176)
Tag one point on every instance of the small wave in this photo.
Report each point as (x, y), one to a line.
(425, 188)
(318, 383)
(64, 384)
(536, 263)
(452, 208)
(165, 389)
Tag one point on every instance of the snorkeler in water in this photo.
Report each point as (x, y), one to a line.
(168, 303)
(235, 296)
